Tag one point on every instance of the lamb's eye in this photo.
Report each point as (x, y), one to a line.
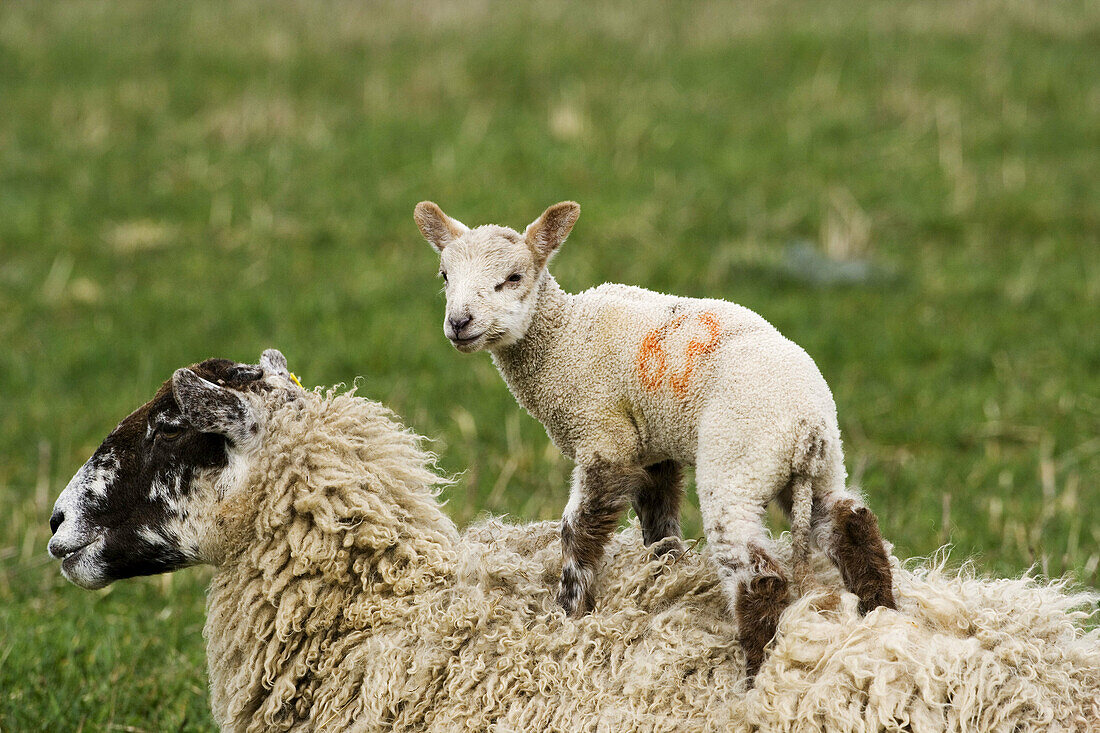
(443, 275)
(513, 278)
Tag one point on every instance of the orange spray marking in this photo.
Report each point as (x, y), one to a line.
(653, 357)
(696, 350)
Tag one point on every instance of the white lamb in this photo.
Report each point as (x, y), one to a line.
(632, 385)
(343, 598)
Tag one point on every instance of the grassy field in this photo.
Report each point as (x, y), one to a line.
(911, 191)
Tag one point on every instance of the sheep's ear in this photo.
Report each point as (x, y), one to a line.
(272, 360)
(213, 409)
(545, 234)
(438, 228)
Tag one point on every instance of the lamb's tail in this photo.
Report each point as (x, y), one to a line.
(801, 508)
(807, 463)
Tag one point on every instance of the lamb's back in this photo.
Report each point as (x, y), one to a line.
(616, 319)
(664, 359)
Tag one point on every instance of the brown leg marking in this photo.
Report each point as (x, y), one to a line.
(861, 557)
(605, 492)
(760, 601)
(657, 503)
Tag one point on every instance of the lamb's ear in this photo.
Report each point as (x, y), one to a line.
(438, 228)
(213, 409)
(545, 234)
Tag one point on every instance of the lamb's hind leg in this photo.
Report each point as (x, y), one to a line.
(848, 533)
(600, 493)
(751, 578)
(840, 524)
(657, 504)
(733, 503)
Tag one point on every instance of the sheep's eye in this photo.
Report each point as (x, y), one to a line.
(443, 275)
(169, 432)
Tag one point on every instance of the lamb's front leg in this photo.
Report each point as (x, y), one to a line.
(657, 505)
(600, 493)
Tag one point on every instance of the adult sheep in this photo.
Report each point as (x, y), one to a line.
(344, 599)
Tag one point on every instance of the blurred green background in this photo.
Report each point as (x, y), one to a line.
(909, 190)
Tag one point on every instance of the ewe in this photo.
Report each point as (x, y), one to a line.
(632, 384)
(345, 600)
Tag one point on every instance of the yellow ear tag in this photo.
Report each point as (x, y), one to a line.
(294, 378)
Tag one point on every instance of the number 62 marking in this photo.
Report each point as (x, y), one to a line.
(653, 357)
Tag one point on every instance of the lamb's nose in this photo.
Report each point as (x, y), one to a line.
(457, 324)
(56, 519)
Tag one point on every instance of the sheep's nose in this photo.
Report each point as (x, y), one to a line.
(457, 324)
(56, 519)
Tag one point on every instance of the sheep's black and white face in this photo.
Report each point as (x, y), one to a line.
(141, 504)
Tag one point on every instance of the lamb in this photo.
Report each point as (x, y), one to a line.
(632, 385)
(344, 599)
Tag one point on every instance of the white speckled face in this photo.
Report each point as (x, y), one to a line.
(140, 505)
(492, 273)
(77, 541)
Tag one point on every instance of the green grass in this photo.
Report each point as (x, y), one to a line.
(180, 181)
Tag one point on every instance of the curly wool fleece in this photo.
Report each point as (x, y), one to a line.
(352, 603)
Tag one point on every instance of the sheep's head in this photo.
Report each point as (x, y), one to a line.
(147, 500)
(492, 274)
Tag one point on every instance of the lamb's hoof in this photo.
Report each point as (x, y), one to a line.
(573, 606)
(883, 599)
(753, 662)
(672, 546)
(574, 597)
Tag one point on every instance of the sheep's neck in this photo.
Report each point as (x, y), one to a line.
(265, 605)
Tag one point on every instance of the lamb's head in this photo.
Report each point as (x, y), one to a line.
(492, 274)
(148, 499)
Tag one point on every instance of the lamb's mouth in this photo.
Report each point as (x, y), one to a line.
(460, 342)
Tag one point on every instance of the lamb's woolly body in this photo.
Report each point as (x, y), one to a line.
(629, 376)
(578, 367)
(353, 604)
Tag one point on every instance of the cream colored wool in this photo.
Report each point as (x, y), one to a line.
(348, 601)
